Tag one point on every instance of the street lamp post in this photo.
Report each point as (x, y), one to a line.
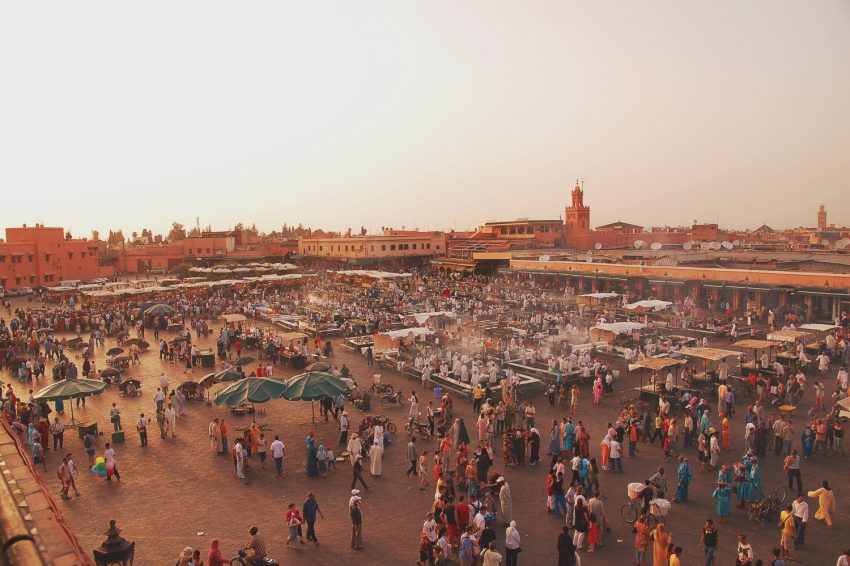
(115, 550)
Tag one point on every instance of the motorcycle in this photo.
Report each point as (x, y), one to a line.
(415, 427)
(372, 420)
(392, 399)
(244, 560)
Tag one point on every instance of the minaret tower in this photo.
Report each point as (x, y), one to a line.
(822, 218)
(578, 220)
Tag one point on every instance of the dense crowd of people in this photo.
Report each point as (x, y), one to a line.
(471, 516)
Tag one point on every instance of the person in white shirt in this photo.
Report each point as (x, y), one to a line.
(109, 459)
(429, 527)
(278, 450)
(800, 510)
(163, 383)
(512, 544)
(159, 397)
(616, 456)
(823, 363)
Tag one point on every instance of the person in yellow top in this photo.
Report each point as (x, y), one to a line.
(477, 396)
(787, 532)
(826, 503)
(674, 558)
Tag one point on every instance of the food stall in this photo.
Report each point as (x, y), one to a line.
(395, 339)
(598, 299)
(786, 354)
(756, 346)
(821, 331)
(289, 351)
(709, 375)
(653, 389)
(617, 335)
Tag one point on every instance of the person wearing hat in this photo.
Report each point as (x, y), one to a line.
(722, 494)
(354, 447)
(356, 521)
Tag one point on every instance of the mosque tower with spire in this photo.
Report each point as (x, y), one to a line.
(577, 228)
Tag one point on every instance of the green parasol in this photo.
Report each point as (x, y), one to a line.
(70, 389)
(313, 386)
(250, 390)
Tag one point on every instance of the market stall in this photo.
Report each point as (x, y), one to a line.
(715, 368)
(654, 388)
(755, 366)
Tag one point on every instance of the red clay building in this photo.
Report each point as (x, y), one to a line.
(42, 257)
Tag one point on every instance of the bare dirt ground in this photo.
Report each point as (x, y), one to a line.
(176, 493)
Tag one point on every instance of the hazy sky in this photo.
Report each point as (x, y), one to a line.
(443, 113)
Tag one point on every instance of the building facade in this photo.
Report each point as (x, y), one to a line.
(525, 233)
(373, 249)
(40, 256)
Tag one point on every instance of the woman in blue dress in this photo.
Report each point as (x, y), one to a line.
(684, 479)
(808, 441)
(743, 479)
(722, 494)
(569, 436)
(555, 439)
(755, 481)
(312, 453)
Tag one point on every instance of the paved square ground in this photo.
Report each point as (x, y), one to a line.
(177, 493)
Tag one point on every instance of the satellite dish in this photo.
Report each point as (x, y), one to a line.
(656, 246)
(598, 245)
(825, 243)
(843, 243)
(687, 247)
(736, 243)
(639, 244)
(705, 246)
(543, 258)
(589, 259)
(727, 245)
(715, 245)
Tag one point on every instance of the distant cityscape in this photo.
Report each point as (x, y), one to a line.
(40, 256)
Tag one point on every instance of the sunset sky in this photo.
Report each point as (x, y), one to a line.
(438, 114)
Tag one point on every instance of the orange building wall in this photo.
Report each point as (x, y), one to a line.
(41, 257)
(751, 276)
